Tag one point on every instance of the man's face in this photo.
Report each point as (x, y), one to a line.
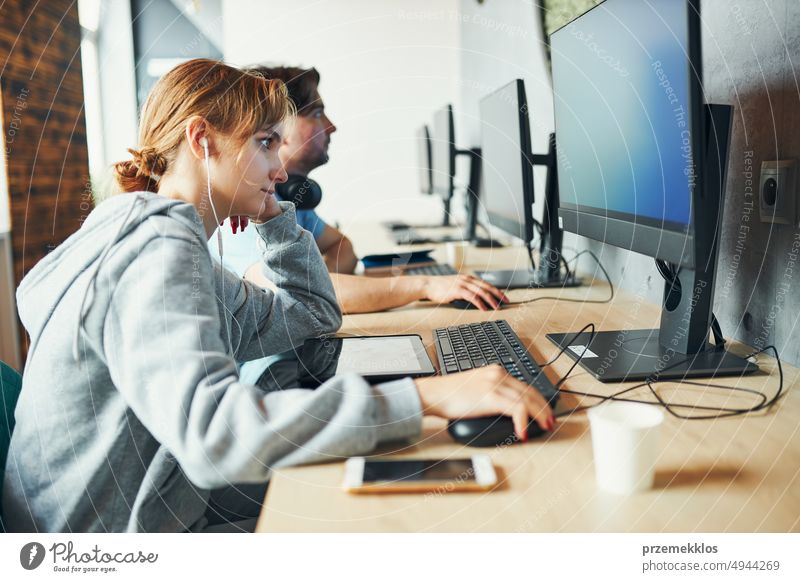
(306, 144)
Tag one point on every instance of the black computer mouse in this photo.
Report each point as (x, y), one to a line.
(464, 304)
(488, 431)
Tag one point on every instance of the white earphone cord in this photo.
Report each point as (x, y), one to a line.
(204, 143)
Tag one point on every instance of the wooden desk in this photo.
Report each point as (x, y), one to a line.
(739, 474)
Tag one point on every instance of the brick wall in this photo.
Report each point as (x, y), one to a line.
(44, 131)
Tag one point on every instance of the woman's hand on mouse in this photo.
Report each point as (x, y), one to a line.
(483, 392)
(481, 294)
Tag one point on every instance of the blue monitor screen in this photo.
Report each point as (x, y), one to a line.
(621, 83)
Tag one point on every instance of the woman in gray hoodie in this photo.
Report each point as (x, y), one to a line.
(132, 416)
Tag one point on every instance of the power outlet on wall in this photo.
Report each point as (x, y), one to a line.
(777, 202)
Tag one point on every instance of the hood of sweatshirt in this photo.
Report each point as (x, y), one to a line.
(43, 287)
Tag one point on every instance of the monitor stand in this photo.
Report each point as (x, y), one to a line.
(679, 348)
(527, 279)
(473, 202)
(548, 274)
(637, 354)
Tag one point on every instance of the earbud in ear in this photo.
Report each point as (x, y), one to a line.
(204, 142)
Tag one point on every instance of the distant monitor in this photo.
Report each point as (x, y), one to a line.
(443, 148)
(424, 162)
(507, 170)
(641, 165)
(508, 190)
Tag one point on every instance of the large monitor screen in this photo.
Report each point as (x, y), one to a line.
(622, 98)
(506, 169)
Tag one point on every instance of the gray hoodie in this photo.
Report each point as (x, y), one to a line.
(131, 409)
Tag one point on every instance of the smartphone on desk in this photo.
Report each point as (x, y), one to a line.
(362, 475)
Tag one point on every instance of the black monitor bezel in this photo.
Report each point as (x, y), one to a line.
(445, 193)
(424, 151)
(665, 240)
(523, 230)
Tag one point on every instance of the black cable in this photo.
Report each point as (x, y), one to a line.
(566, 266)
(568, 342)
(554, 298)
(670, 274)
(721, 411)
(731, 412)
(577, 360)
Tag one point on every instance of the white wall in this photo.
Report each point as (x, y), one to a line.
(385, 67)
(502, 41)
(117, 82)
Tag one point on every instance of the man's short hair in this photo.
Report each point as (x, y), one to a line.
(301, 83)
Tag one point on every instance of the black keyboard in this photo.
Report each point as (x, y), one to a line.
(437, 270)
(414, 237)
(409, 237)
(474, 345)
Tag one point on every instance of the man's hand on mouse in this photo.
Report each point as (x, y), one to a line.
(481, 294)
(483, 392)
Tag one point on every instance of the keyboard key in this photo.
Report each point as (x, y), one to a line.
(446, 347)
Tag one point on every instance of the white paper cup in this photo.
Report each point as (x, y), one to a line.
(625, 443)
(456, 254)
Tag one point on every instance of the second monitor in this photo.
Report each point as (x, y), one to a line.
(508, 189)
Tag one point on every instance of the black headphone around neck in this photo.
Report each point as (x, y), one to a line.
(302, 191)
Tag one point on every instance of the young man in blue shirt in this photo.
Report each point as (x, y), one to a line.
(304, 148)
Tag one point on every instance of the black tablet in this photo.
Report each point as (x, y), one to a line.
(376, 358)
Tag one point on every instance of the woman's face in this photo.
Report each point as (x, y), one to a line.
(247, 178)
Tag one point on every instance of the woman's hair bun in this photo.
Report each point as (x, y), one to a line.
(140, 174)
(149, 161)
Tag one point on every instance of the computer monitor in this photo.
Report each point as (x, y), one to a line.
(507, 169)
(641, 166)
(405, 233)
(508, 189)
(424, 162)
(443, 171)
(443, 157)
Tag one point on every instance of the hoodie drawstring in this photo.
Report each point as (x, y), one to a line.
(93, 277)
